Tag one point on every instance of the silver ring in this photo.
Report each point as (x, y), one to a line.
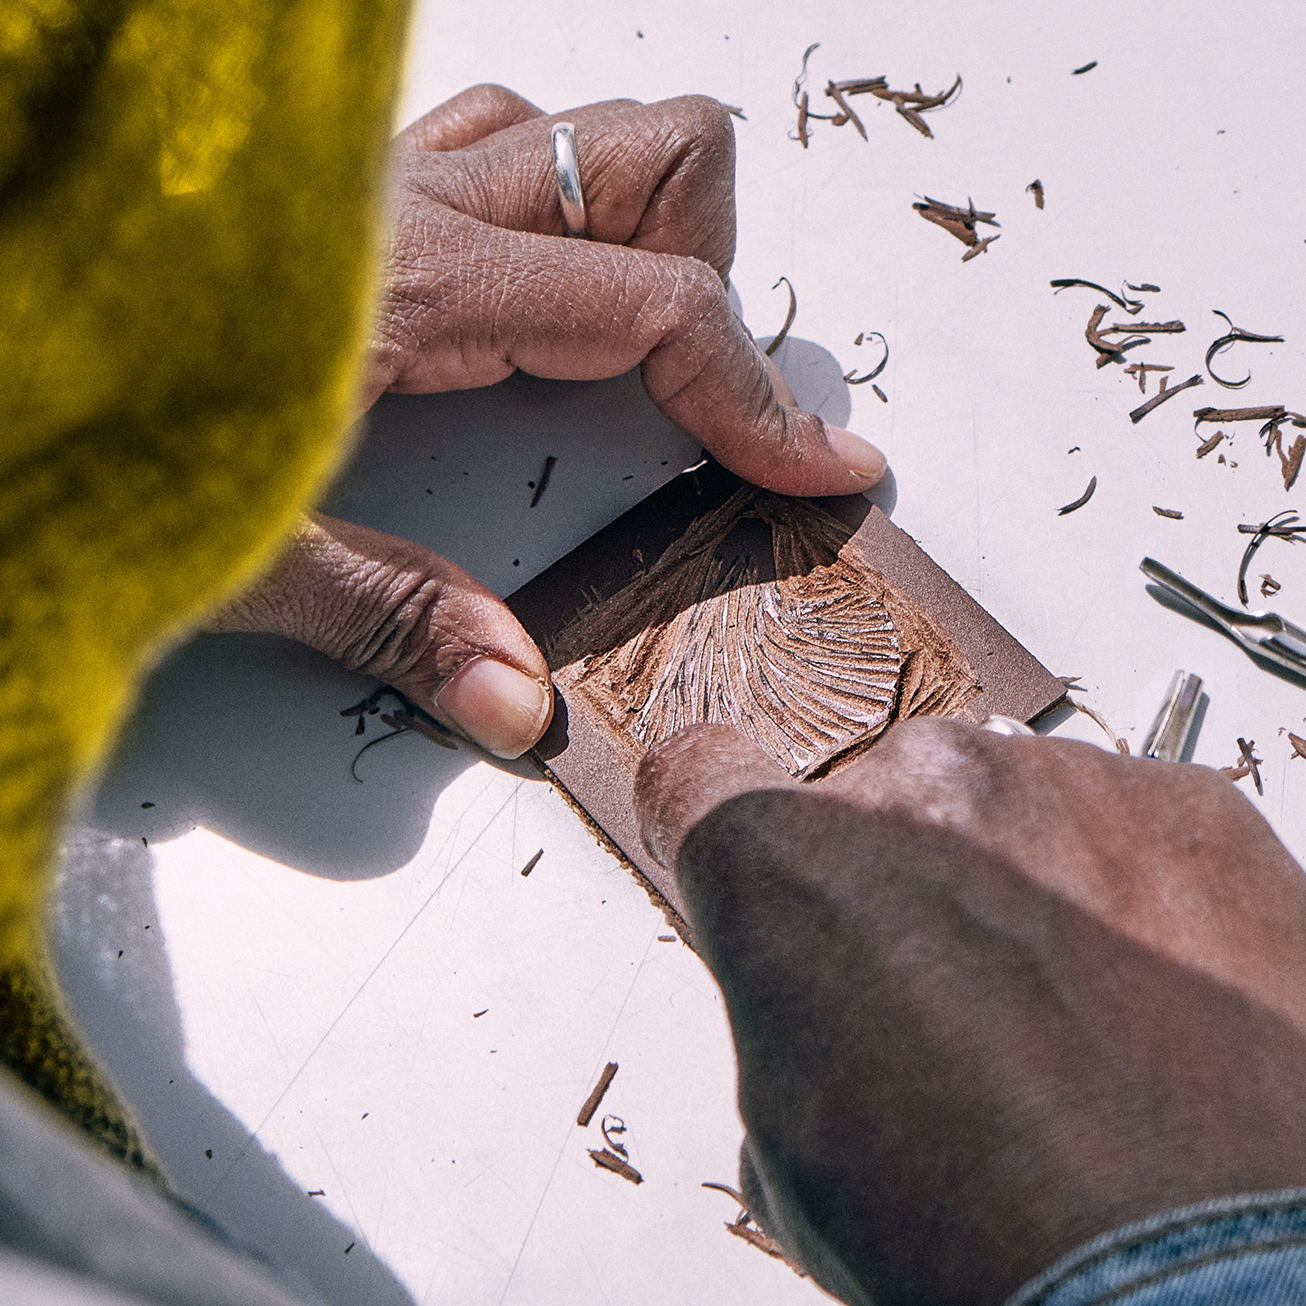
(566, 166)
(1005, 725)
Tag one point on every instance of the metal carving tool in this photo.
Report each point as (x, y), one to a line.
(1174, 723)
(1262, 634)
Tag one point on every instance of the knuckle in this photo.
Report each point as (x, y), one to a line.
(393, 623)
(705, 122)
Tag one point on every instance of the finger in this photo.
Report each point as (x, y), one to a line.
(681, 781)
(391, 609)
(468, 117)
(659, 177)
(580, 310)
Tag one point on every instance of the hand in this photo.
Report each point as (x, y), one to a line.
(991, 997)
(480, 280)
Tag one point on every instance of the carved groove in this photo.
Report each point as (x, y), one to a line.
(811, 665)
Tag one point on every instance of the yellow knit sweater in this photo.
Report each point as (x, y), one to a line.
(187, 247)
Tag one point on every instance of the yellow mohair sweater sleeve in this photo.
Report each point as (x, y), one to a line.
(188, 243)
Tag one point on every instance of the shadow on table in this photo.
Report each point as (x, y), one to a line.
(126, 1007)
(242, 734)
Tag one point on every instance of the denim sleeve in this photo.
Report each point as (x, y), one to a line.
(1231, 1250)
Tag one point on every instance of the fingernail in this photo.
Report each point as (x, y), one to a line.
(859, 456)
(496, 706)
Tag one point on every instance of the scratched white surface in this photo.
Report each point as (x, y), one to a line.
(302, 1002)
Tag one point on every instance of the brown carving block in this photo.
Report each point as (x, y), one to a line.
(808, 625)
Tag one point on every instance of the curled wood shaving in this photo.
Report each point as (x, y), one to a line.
(789, 317)
(1284, 521)
(1269, 586)
(1081, 501)
(1130, 306)
(852, 379)
(1232, 337)
(1036, 187)
(1121, 746)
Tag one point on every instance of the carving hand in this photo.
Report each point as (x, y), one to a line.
(990, 996)
(480, 280)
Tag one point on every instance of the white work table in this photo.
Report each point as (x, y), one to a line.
(283, 967)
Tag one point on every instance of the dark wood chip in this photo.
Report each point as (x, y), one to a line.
(1140, 371)
(1081, 501)
(1207, 445)
(802, 120)
(607, 1160)
(1143, 409)
(1298, 744)
(533, 863)
(1146, 286)
(1088, 67)
(1148, 328)
(884, 399)
(789, 317)
(586, 1113)
(845, 112)
(1036, 187)
(549, 464)
(1292, 463)
(1284, 532)
(1266, 413)
(979, 247)
(1250, 760)
(476, 1015)
(1173, 513)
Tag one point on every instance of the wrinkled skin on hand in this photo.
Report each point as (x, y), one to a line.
(991, 997)
(481, 280)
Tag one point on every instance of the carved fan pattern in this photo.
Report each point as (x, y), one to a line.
(811, 665)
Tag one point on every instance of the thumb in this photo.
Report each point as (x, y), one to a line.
(681, 781)
(391, 609)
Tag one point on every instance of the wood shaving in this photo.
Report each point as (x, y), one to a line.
(1173, 513)
(789, 317)
(1121, 746)
(591, 1103)
(1081, 501)
(1251, 761)
(1207, 445)
(607, 1160)
(1036, 188)
(1143, 409)
(533, 863)
(1269, 586)
(1298, 745)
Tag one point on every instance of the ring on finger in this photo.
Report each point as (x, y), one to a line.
(566, 167)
